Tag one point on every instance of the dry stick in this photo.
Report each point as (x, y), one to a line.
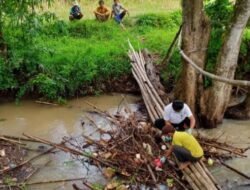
(94, 123)
(109, 117)
(59, 146)
(88, 185)
(27, 161)
(152, 174)
(36, 170)
(72, 151)
(178, 181)
(19, 138)
(235, 170)
(169, 54)
(224, 148)
(42, 182)
(46, 103)
(12, 141)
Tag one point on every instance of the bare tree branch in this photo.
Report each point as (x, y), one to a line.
(213, 76)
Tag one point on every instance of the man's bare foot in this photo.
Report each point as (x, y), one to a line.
(184, 165)
(122, 26)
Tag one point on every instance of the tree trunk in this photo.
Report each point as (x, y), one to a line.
(215, 100)
(195, 39)
(241, 111)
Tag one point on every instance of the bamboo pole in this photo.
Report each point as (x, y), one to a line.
(199, 178)
(209, 174)
(202, 178)
(194, 178)
(204, 174)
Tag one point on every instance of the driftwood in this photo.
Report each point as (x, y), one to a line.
(46, 103)
(155, 107)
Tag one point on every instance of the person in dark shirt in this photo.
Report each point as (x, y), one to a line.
(75, 12)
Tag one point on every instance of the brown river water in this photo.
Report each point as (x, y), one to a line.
(55, 122)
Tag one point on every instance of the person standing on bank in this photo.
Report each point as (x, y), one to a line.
(179, 115)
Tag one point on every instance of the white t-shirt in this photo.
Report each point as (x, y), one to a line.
(176, 117)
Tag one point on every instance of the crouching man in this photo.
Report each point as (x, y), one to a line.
(75, 12)
(102, 13)
(184, 146)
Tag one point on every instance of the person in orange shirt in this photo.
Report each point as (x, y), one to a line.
(102, 13)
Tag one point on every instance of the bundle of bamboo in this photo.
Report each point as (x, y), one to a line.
(197, 175)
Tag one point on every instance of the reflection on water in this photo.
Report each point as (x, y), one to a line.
(55, 122)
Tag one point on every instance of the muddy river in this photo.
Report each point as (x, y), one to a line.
(55, 122)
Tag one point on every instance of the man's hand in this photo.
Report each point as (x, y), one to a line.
(169, 151)
(189, 131)
(163, 159)
(192, 122)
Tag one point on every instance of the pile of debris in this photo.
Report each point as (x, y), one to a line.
(12, 155)
(129, 150)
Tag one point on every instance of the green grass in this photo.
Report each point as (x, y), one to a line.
(66, 58)
(135, 7)
(90, 51)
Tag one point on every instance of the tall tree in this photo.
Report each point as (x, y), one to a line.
(15, 13)
(195, 39)
(215, 100)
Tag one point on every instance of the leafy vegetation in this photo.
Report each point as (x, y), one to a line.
(220, 13)
(65, 59)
